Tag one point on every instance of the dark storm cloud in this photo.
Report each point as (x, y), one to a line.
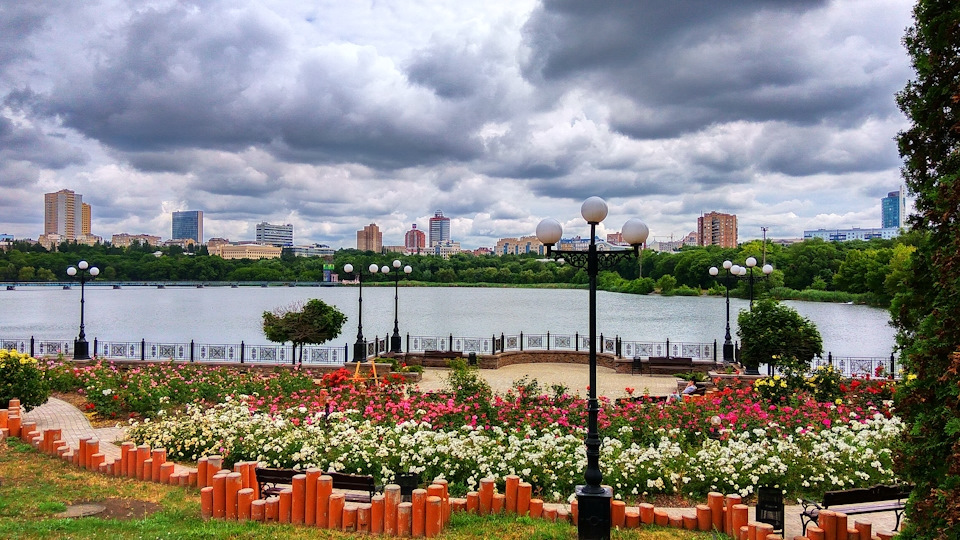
(18, 21)
(682, 66)
(28, 143)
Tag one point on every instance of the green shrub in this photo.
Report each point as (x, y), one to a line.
(824, 384)
(695, 376)
(464, 381)
(21, 378)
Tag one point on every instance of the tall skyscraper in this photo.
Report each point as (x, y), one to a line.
(63, 214)
(439, 228)
(188, 224)
(893, 208)
(275, 235)
(85, 219)
(414, 241)
(370, 238)
(716, 229)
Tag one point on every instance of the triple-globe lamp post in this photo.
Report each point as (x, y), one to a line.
(395, 338)
(593, 500)
(727, 340)
(360, 347)
(81, 349)
(748, 274)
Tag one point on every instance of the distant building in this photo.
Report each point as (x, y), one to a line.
(50, 241)
(481, 251)
(188, 224)
(439, 228)
(127, 240)
(414, 240)
(247, 251)
(63, 215)
(6, 242)
(893, 209)
(314, 250)
(716, 229)
(370, 238)
(519, 246)
(216, 241)
(615, 238)
(446, 249)
(85, 219)
(275, 235)
(184, 243)
(843, 235)
(395, 249)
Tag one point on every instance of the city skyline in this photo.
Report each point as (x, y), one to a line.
(333, 115)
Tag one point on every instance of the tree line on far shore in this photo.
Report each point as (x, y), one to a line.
(860, 271)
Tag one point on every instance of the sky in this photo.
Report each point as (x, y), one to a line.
(333, 114)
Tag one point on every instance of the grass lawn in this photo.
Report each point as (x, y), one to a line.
(34, 488)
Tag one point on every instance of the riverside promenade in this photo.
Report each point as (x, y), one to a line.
(57, 413)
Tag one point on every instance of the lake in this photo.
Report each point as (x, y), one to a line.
(231, 315)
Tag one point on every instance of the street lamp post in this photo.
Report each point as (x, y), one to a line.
(748, 272)
(360, 347)
(593, 500)
(395, 338)
(727, 339)
(81, 349)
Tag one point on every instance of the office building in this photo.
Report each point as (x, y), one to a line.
(63, 215)
(313, 250)
(844, 235)
(519, 246)
(275, 235)
(446, 249)
(370, 238)
(188, 225)
(414, 240)
(716, 229)
(893, 209)
(85, 219)
(247, 251)
(439, 228)
(127, 240)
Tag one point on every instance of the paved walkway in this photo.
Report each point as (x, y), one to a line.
(74, 424)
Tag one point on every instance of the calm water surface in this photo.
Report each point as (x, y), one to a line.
(228, 315)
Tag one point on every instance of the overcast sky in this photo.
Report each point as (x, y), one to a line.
(333, 114)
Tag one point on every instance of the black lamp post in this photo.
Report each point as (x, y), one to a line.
(395, 338)
(360, 347)
(81, 349)
(747, 273)
(593, 500)
(727, 340)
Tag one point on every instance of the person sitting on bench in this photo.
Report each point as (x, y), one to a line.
(688, 390)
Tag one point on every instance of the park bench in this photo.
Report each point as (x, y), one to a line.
(359, 488)
(858, 501)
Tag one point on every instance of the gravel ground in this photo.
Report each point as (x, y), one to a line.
(575, 377)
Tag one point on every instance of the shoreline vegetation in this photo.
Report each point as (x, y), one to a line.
(862, 272)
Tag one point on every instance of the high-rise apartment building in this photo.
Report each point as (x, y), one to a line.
(893, 209)
(85, 219)
(415, 240)
(370, 238)
(63, 214)
(439, 228)
(188, 225)
(275, 235)
(716, 229)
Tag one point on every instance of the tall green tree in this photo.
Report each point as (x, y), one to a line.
(314, 322)
(927, 310)
(777, 335)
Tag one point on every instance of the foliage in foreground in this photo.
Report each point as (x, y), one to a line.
(21, 377)
(927, 310)
(36, 487)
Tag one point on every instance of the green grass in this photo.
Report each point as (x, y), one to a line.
(35, 487)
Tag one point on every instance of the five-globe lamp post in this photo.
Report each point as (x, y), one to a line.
(81, 349)
(593, 500)
(747, 273)
(727, 341)
(395, 338)
(360, 347)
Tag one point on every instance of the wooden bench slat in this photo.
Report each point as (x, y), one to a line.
(341, 481)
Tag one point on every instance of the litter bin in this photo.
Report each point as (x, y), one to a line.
(472, 358)
(770, 507)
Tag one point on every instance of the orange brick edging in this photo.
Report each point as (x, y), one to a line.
(234, 495)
